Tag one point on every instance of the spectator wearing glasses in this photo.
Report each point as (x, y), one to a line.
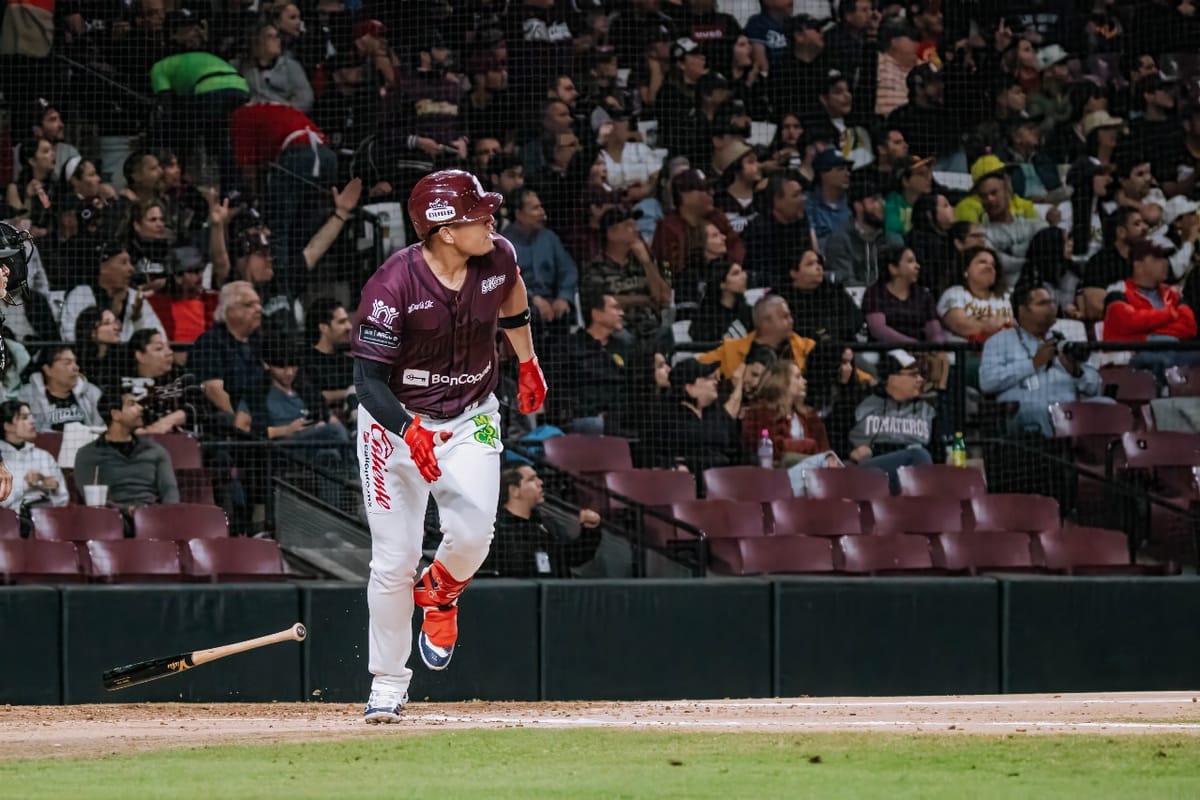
(36, 477)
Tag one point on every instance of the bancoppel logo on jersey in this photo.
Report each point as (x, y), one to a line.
(423, 377)
(439, 211)
(491, 284)
(382, 314)
(420, 306)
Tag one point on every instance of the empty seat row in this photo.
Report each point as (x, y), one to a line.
(1076, 551)
(137, 561)
(88, 523)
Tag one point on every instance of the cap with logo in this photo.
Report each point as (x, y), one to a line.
(449, 197)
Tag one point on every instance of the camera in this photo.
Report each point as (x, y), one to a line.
(1076, 351)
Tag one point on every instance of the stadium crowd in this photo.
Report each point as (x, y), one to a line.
(754, 187)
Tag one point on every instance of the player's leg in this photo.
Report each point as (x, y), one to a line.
(467, 496)
(394, 496)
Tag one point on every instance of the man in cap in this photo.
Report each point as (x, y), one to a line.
(1156, 131)
(828, 203)
(425, 370)
(1147, 308)
(678, 231)
(185, 308)
(47, 123)
(625, 269)
(1051, 101)
(923, 119)
(915, 181)
(110, 288)
(835, 122)
(1034, 173)
(971, 209)
(796, 83)
(777, 236)
(681, 91)
(768, 36)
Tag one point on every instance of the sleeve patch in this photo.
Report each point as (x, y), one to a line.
(380, 338)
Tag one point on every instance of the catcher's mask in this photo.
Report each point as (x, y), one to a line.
(16, 249)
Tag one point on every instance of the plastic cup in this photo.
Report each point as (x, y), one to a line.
(95, 494)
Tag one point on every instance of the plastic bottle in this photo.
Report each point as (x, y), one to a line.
(766, 450)
(958, 451)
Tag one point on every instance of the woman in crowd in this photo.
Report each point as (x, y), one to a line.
(83, 200)
(780, 408)
(787, 149)
(273, 75)
(32, 195)
(978, 306)
(746, 82)
(820, 308)
(1048, 263)
(931, 242)
(148, 241)
(696, 431)
(897, 308)
(101, 356)
(723, 312)
(285, 16)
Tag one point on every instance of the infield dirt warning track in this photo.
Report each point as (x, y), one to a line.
(39, 731)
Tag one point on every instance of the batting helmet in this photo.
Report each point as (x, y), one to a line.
(449, 197)
(16, 251)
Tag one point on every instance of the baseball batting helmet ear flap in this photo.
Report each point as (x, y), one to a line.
(449, 197)
(16, 250)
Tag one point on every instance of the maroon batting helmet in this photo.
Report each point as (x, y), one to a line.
(449, 197)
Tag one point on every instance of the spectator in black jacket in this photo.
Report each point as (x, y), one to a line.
(821, 309)
(532, 544)
(777, 237)
(596, 358)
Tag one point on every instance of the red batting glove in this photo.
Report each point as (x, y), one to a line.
(420, 443)
(531, 386)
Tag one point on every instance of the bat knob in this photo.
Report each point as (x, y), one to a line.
(299, 631)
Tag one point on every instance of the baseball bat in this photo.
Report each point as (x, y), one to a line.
(146, 671)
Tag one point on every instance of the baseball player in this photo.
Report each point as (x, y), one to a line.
(16, 250)
(424, 345)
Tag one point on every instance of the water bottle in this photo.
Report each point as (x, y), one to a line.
(958, 451)
(766, 450)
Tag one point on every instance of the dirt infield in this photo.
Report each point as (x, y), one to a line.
(41, 731)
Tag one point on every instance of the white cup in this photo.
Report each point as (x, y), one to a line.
(95, 494)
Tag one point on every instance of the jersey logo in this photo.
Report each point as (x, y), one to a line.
(491, 284)
(415, 377)
(382, 314)
(485, 431)
(377, 448)
(369, 335)
(440, 211)
(420, 306)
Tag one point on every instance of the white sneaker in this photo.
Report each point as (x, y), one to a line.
(385, 705)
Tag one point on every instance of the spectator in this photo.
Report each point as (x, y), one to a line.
(1049, 265)
(532, 544)
(48, 124)
(740, 174)
(1051, 102)
(143, 175)
(723, 311)
(1034, 173)
(852, 44)
(767, 34)
(271, 74)
(137, 471)
(110, 290)
(288, 21)
(891, 154)
(625, 269)
(852, 253)
(787, 150)
(326, 363)
(147, 241)
(1112, 265)
(780, 408)
(772, 331)
(747, 84)
(582, 236)
(970, 208)
(821, 308)
(597, 355)
(916, 181)
(227, 358)
(631, 165)
(556, 120)
(894, 428)
(896, 307)
(84, 201)
(828, 204)
(549, 271)
(58, 394)
(1146, 308)
(780, 234)
(185, 308)
(101, 356)
(697, 431)
(979, 305)
(797, 81)
(835, 124)
(898, 56)
(1007, 233)
(31, 196)
(37, 478)
(935, 249)
(149, 378)
(1026, 366)
(1136, 189)
(422, 114)
(924, 118)
(678, 244)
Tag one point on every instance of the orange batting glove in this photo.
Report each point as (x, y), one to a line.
(531, 386)
(421, 442)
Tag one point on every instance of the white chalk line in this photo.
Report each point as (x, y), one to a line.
(783, 704)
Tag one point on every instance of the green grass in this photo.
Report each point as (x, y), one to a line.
(611, 764)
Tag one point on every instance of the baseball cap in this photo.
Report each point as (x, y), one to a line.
(1100, 119)
(688, 371)
(710, 82)
(1050, 55)
(864, 185)
(685, 46)
(802, 22)
(985, 166)
(897, 361)
(832, 79)
(599, 194)
(615, 216)
(914, 163)
(108, 249)
(922, 75)
(253, 242)
(829, 159)
(186, 259)
(693, 180)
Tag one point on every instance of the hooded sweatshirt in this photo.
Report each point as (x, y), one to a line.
(885, 425)
(52, 418)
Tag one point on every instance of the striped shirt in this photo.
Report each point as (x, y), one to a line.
(892, 91)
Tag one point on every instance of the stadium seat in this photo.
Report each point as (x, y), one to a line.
(852, 483)
(811, 516)
(720, 518)
(180, 521)
(1092, 426)
(983, 552)
(184, 449)
(134, 561)
(1028, 513)
(195, 486)
(886, 554)
(234, 559)
(588, 458)
(753, 484)
(1183, 381)
(1132, 386)
(919, 515)
(76, 523)
(1091, 551)
(25, 561)
(657, 490)
(771, 554)
(50, 441)
(941, 480)
(10, 524)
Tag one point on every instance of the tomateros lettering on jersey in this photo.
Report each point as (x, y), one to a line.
(377, 448)
(423, 377)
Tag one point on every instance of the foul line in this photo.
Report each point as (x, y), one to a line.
(1181, 700)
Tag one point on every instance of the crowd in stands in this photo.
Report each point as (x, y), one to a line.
(754, 187)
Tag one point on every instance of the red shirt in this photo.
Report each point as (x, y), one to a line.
(1134, 318)
(258, 132)
(184, 320)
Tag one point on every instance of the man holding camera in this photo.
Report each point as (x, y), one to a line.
(1029, 366)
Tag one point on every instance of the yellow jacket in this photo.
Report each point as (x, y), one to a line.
(970, 209)
(732, 353)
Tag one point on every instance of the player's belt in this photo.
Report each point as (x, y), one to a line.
(433, 417)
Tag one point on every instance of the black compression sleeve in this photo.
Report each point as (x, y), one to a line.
(371, 385)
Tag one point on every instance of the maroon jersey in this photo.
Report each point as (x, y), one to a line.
(441, 343)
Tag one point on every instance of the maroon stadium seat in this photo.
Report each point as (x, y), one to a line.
(1184, 381)
(1028, 513)
(184, 449)
(720, 518)
(771, 554)
(50, 441)
(10, 524)
(30, 561)
(852, 483)
(920, 515)
(234, 559)
(76, 523)
(1082, 551)
(580, 455)
(657, 489)
(180, 521)
(752, 484)
(811, 516)
(1153, 449)
(980, 552)
(195, 486)
(886, 554)
(941, 480)
(134, 561)
(1092, 426)
(1133, 386)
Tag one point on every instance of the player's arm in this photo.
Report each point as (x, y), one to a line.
(514, 321)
